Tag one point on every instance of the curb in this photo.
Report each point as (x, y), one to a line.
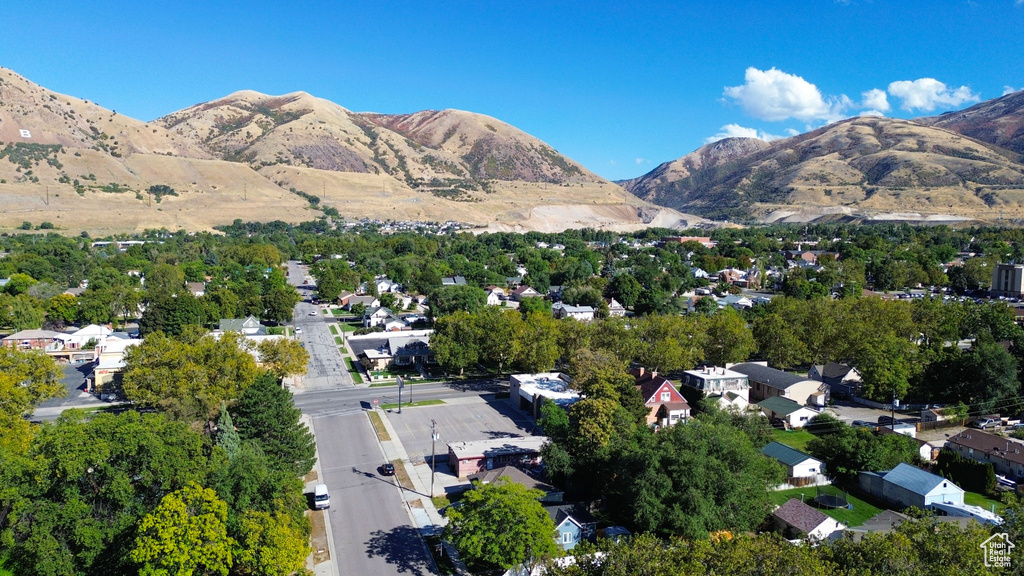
(329, 568)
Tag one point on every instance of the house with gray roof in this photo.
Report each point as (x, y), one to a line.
(766, 382)
(573, 524)
(796, 463)
(249, 326)
(907, 485)
(453, 281)
(843, 380)
(796, 520)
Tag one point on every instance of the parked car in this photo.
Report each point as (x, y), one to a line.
(298, 330)
(313, 313)
(863, 424)
(387, 469)
(321, 498)
(985, 423)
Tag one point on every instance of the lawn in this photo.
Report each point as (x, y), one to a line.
(793, 438)
(860, 513)
(975, 499)
(378, 426)
(334, 329)
(339, 341)
(356, 377)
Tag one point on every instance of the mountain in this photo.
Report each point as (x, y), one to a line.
(999, 121)
(257, 157)
(858, 168)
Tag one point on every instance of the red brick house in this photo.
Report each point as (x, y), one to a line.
(667, 406)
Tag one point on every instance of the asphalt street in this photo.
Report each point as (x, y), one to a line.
(74, 383)
(326, 365)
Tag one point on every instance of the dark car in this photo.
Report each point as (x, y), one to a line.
(387, 469)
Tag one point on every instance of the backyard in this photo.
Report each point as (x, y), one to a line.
(793, 438)
(860, 513)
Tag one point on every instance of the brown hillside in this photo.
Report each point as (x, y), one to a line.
(999, 121)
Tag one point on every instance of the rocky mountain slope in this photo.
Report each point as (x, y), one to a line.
(251, 156)
(999, 121)
(861, 167)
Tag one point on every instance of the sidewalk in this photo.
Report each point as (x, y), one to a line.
(329, 568)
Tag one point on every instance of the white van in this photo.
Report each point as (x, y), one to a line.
(321, 498)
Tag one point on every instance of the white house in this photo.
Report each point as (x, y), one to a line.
(382, 317)
(93, 332)
(615, 309)
(494, 298)
(792, 414)
(562, 310)
(796, 463)
(796, 520)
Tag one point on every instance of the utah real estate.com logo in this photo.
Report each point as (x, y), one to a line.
(997, 550)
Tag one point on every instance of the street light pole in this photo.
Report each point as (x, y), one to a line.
(433, 454)
(401, 384)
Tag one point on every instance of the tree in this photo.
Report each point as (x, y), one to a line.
(25, 313)
(448, 299)
(534, 304)
(62, 307)
(540, 343)
(189, 377)
(501, 524)
(266, 415)
(691, 480)
(279, 304)
(227, 437)
(667, 343)
(27, 377)
(728, 338)
(500, 336)
(625, 289)
(455, 341)
(185, 534)
(848, 450)
(283, 357)
(885, 367)
(171, 314)
(271, 544)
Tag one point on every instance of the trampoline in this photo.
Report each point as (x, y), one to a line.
(833, 501)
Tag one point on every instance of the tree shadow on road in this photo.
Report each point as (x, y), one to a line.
(402, 548)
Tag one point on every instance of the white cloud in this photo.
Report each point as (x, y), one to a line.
(875, 100)
(875, 113)
(1011, 89)
(774, 95)
(927, 94)
(792, 131)
(737, 131)
(641, 161)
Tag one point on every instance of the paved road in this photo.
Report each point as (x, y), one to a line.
(77, 397)
(326, 365)
(372, 530)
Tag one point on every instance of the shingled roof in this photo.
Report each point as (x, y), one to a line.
(771, 376)
(800, 516)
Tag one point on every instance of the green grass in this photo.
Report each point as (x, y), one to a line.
(350, 326)
(409, 382)
(3, 560)
(975, 499)
(356, 377)
(334, 329)
(793, 438)
(860, 513)
(433, 402)
(275, 330)
(339, 341)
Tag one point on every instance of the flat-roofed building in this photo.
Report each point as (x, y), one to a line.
(529, 391)
(465, 458)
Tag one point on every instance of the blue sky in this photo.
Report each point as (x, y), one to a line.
(618, 86)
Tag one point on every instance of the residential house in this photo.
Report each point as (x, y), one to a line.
(465, 458)
(367, 300)
(400, 351)
(249, 325)
(385, 285)
(843, 381)
(47, 340)
(573, 524)
(562, 310)
(700, 273)
(523, 292)
(555, 293)
(666, 406)
(735, 301)
(529, 391)
(383, 317)
(514, 281)
(1006, 455)
(614, 308)
(796, 520)
(453, 281)
(792, 414)
(344, 297)
(92, 333)
(196, 288)
(797, 464)
(731, 275)
(766, 382)
(728, 387)
(906, 485)
(495, 297)
(552, 495)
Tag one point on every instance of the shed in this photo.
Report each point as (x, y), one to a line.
(797, 464)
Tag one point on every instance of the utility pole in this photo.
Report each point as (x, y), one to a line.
(433, 453)
(401, 384)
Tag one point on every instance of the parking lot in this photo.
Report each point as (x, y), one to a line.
(479, 418)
